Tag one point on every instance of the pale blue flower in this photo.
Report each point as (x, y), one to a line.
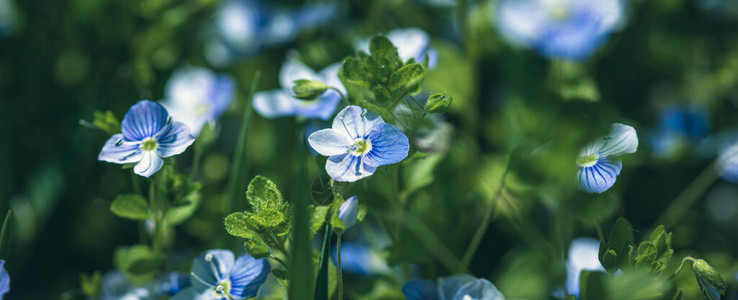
(562, 29)
(410, 43)
(679, 127)
(217, 275)
(4, 280)
(280, 103)
(348, 212)
(196, 96)
(583, 255)
(116, 286)
(149, 134)
(358, 258)
(598, 163)
(455, 287)
(727, 163)
(358, 142)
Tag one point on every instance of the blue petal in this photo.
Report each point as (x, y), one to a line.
(174, 139)
(348, 168)
(4, 279)
(356, 121)
(389, 146)
(149, 164)
(293, 70)
(480, 289)
(221, 94)
(348, 212)
(420, 289)
(329, 142)
(449, 286)
(143, 120)
(600, 176)
(211, 271)
(247, 275)
(274, 104)
(359, 259)
(117, 150)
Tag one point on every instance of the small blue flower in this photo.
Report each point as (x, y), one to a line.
(583, 255)
(4, 280)
(727, 163)
(348, 212)
(149, 134)
(196, 96)
(217, 275)
(563, 29)
(280, 103)
(116, 286)
(678, 127)
(359, 142)
(410, 43)
(358, 258)
(455, 287)
(598, 163)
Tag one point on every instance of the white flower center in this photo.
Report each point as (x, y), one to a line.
(149, 144)
(587, 160)
(360, 147)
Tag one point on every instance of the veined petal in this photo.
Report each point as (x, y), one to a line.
(211, 266)
(293, 70)
(348, 168)
(622, 140)
(174, 140)
(247, 275)
(480, 289)
(329, 142)
(420, 289)
(274, 104)
(356, 122)
(148, 165)
(144, 119)
(389, 145)
(449, 286)
(600, 176)
(117, 150)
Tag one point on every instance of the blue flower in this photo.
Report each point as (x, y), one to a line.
(280, 103)
(410, 43)
(358, 258)
(149, 134)
(195, 96)
(358, 142)
(455, 287)
(348, 212)
(678, 127)
(562, 29)
(116, 286)
(217, 276)
(598, 163)
(4, 280)
(583, 255)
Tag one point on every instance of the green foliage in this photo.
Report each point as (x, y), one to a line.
(620, 252)
(91, 284)
(709, 280)
(308, 89)
(317, 217)
(616, 252)
(636, 284)
(269, 210)
(335, 221)
(241, 225)
(438, 103)
(257, 247)
(655, 252)
(138, 262)
(418, 173)
(106, 121)
(130, 206)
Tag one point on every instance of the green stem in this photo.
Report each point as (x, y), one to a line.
(397, 101)
(135, 183)
(428, 238)
(196, 162)
(343, 97)
(281, 262)
(691, 194)
(238, 172)
(301, 262)
(482, 229)
(155, 240)
(680, 266)
(340, 269)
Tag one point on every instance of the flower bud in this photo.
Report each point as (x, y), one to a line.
(709, 280)
(308, 89)
(438, 103)
(348, 212)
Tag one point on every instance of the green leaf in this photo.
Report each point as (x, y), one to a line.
(621, 242)
(306, 89)
(266, 201)
(130, 206)
(322, 282)
(419, 173)
(138, 261)
(353, 71)
(407, 76)
(257, 247)
(711, 283)
(317, 217)
(637, 284)
(438, 103)
(335, 221)
(592, 285)
(241, 225)
(282, 276)
(91, 284)
(180, 212)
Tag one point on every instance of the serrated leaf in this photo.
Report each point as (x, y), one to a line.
(262, 192)
(317, 217)
(130, 206)
(241, 225)
(257, 247)
(406, 76)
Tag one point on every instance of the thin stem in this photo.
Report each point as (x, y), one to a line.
(340, 269)
(428, 238)
(343, 97)
(680, 266)
(691, 194)
(599, 231)
(397, 101)
(238, 173)
(482, 229)
(196, 162)
(281, 262)
(155, 242)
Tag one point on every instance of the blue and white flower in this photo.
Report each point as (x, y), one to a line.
(280, 103)
(196, 96)
(4, 280)
(598, 163)
(148, 135)
(411, 43)
(359, 258)
(455, 287)
(217, 275)
(348, 212)
(583, 255)
(358, 142)
(560, 29)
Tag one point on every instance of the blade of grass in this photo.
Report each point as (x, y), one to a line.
(237, 183)
(321, 284)
(301, 283)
